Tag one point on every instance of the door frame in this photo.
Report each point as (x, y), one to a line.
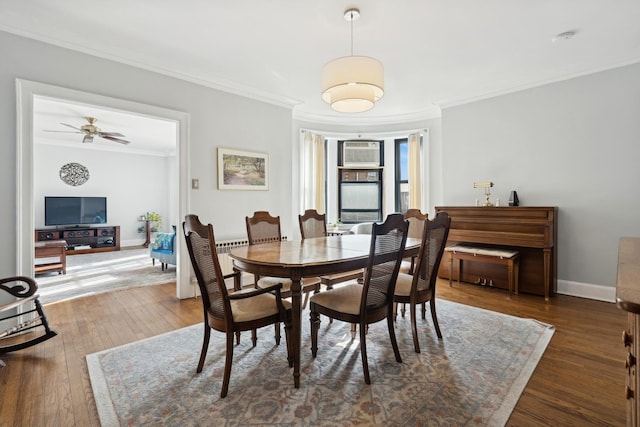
(25, 92)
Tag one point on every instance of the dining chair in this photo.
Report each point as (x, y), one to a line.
(230, 312)
(372, 301)
(416, 226)
(264, 228)
(313, 224)
(420, 287)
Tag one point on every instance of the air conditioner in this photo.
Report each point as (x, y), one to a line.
(361, 153)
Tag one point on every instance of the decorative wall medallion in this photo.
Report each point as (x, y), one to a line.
(74, 174)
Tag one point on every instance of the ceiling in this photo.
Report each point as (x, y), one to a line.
(435, 53)
(147, 135)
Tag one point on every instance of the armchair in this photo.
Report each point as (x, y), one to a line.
(163, 249)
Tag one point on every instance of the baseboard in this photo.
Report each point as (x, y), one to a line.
(587, 290)
(134, 242)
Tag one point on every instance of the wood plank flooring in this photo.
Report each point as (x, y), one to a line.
(578, 382)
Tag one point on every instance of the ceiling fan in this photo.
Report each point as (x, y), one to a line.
(92, 130)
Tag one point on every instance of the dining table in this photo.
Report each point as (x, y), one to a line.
(307, 258)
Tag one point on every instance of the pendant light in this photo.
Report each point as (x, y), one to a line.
(352, 84)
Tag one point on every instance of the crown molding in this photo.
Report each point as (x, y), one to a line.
(355, 120)
(213, 83)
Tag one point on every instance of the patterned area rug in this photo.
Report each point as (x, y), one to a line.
(473, 376)
(89, 274)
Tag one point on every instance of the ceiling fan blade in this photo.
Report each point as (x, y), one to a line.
(60, 131)
(111, 138)
(72, 127)
(87, 138)
(102, 134)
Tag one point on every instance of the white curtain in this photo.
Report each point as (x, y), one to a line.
(415, 182)
(313, 172)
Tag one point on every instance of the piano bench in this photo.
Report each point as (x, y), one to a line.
(507, 257)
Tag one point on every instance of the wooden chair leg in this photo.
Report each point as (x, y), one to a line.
(277, 336)
(414, 328)
(392, 336)
(432, 303)
(205, 346)
(288, 327)
(363, 353)
(254, 337)
(314, 318)
(227, 365)
(305, 301)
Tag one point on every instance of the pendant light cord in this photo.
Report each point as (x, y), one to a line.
(351, 33)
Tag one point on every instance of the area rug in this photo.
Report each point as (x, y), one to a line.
(473, 376)
(90, 274)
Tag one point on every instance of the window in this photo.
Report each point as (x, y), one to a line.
(360, 195)
(402, 174)
(360, 187)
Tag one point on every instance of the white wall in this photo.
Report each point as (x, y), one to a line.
(132, 183)
(573, 144)
(216, 119)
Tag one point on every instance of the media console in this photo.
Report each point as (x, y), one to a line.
(83, 240)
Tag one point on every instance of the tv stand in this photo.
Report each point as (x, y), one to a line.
(83, 239)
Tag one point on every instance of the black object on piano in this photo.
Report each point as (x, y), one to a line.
(513, 199)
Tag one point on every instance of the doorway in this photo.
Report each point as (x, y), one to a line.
(27, 91)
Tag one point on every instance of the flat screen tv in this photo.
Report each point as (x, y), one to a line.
(75, 210)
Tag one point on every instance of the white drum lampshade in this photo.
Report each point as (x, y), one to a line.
(352, 84)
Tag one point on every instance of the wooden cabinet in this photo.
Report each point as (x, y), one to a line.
(628, 299)
(530, 230)
(82, 240)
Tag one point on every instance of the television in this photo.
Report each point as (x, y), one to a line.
(75, 210)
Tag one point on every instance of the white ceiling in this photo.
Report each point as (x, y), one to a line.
(147, 135)
(435, 53)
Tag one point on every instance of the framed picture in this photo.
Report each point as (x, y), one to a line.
(242, 170)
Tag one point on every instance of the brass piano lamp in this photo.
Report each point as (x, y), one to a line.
(487, 193)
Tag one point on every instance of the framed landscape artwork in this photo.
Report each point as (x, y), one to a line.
(242, 170)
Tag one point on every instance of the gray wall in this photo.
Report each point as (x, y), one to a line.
(573, 144)
(217, 119)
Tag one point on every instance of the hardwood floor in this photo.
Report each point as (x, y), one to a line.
(578, 382)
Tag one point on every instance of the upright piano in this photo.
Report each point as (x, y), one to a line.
(530, 230)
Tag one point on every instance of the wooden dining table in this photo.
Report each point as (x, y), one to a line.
(307, 258)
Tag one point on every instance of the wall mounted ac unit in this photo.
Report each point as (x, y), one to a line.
(361, 153)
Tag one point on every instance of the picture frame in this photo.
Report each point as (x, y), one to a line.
(242, 170)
